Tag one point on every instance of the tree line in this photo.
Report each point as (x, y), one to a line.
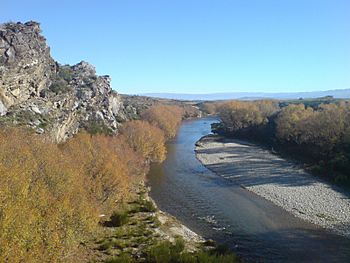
(318, 135)
(52, 196)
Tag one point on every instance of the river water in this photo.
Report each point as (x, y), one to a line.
(219, 209)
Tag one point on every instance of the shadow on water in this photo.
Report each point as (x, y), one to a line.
(220, 209)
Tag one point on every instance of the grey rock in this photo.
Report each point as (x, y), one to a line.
(25, 62)
(3, 109)
(51, 98)
(35, 109)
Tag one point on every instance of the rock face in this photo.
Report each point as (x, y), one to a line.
(55, 99)
(26, 67)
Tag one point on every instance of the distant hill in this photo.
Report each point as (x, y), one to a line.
(338, 93)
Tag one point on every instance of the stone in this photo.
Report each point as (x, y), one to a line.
(35, 109)
(10, 54)
(3, 109)
(114, 104)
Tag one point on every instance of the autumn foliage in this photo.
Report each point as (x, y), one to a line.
(324, 127)
(51, 195)
(145, 139)
(238, 115)
(165, 117)
(209, 107)
(108, 165)
(319, 135)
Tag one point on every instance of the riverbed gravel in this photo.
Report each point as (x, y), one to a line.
(277, 180)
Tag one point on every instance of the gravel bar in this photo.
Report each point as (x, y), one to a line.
(277, 180)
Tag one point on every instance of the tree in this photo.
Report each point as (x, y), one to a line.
(43, 209)
(209, 107)
(145, 139)
(165, 117)
(237, 115)
(51, 195)
(290, 121)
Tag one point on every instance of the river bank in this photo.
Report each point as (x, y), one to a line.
(140, 232)
(254, 228)
(277, 180)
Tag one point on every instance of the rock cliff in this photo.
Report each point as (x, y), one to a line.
(51, 98)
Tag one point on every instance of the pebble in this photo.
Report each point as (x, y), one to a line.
(279, 181)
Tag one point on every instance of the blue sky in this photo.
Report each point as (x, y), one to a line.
(190, 46)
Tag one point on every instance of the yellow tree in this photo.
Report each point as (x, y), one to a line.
(240, 114)
(165, 117)
(43, 211)
(145, 139)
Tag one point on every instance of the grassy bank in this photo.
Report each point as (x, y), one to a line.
(139, 232)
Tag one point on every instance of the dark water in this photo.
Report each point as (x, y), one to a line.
(218, 209)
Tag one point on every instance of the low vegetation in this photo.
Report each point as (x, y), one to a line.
(142, 239)
(59, 86)
(167, 252)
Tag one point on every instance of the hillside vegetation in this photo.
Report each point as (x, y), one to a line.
(52, 196)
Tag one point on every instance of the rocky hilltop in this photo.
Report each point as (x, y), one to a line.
(51, 98)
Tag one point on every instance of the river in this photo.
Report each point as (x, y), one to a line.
(217, 208)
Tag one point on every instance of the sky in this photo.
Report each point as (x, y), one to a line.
(190, 46)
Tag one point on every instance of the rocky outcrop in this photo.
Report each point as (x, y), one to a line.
(26, 67)
(51, 98)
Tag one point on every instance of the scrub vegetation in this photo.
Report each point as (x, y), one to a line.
(53, 196)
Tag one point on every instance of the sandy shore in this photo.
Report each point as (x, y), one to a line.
(277, 180)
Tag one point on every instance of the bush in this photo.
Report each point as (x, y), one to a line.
(119, 218)
(124, 258)
(66, 73)
(166, 252)
(107, 244)
(147, 206)
(59, 86)
(207, 257)
(161, 253)
(179, 245)
(97, 127)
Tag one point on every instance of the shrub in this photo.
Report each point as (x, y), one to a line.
(95, 127)
(66, 73)
(147, 206)
(166, 252)
(207, 257)
(59, 86)
(123, 258)
(119, 218)
(161, 253)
